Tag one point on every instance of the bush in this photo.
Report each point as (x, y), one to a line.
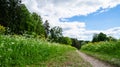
(103, 47)
(2, 29)
(65, 40)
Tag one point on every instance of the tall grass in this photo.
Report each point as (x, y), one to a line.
(107, 51)
(21, 51)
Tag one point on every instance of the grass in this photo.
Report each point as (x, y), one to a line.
(69, 59)
(106, 51)
(19, 51)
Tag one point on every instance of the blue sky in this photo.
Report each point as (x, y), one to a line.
(80, 19)
(100, 21)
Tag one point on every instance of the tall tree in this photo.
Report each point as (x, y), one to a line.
(38, 24)
(95, 38)
(102, 37)
(55, 33)
(21, 24)
(99, 37)
(75, 43)
(4, 10)
(12, 13)
(47, 28)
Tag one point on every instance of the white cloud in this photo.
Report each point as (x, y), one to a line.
(68, 8)
(53, 10)
(113, 32)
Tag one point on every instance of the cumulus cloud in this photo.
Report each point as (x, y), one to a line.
(68, 8)
(53, 10)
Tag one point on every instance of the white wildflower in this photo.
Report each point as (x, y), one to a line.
(12, 43)
(2, 45)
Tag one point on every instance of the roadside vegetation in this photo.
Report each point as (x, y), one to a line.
(108, 51)
(21, 51)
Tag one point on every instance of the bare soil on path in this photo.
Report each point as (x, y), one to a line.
(93, 61)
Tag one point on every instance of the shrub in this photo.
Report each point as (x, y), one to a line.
(2, 29)
(111, 48)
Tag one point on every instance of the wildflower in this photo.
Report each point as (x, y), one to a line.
(2, 45)
(12, 43)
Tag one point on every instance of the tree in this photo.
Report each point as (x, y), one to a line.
(38, 26)
(65, 40)
(47, 28)
(110, 38)
(75, 43)
(95, 38)
(55, 33)
(21, 24)
(14, 16)
(102, 37)
(99, 37)
(4, 10)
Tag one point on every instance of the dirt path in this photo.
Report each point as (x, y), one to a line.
(94, 62)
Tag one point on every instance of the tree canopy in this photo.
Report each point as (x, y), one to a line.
(102, 37)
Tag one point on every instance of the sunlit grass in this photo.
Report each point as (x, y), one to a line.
(68, 59)
(21, 51)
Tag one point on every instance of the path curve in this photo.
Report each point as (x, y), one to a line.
(93, 61)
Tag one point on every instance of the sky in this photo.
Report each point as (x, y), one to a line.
(80, 19)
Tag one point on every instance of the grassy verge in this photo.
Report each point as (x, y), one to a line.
(106, 51)
(68, 59)
(18, 51)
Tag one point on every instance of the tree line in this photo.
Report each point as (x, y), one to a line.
(16, 19)
(102, 37)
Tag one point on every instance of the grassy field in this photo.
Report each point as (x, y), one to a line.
(106, 51)
(19, 51)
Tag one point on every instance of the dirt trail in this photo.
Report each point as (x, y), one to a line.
(94, 62)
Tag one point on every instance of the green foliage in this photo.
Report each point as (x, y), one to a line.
(102, 37)
(65, 40)
(78, 43)
(47, 28)
(10, 16)
(2, 29)
(9, 11)
(38, 27)
(21, 51)
(110, 49)
(95, 38)
(68, 59)
(55, 33)
(103, 47)
(16, 17)
(99, 37)
(110, 38)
